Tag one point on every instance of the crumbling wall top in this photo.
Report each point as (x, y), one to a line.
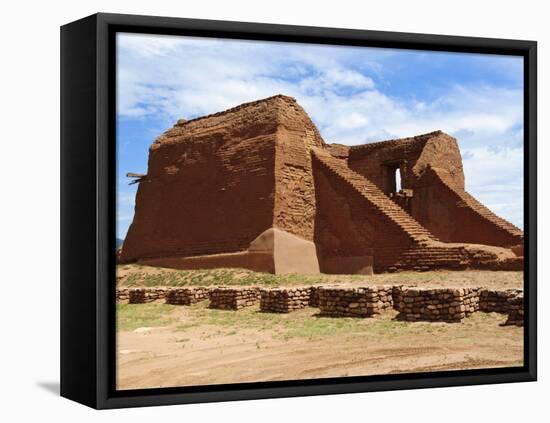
(395, 146)
(248, 119)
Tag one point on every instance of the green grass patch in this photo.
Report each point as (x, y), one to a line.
(133, 316)
(302, 324)
(320, 327)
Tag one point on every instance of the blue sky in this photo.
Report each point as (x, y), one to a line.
(354, 95)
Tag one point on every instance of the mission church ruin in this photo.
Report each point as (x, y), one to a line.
(256, 187)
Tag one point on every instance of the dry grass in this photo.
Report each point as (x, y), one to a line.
(132, 275)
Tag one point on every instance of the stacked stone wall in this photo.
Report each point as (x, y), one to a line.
(314, 296)
(413, 303)
(122, 295)
(145, 295)
(438, 304)
(515, 311)
(498, 301)
(186, 296)
(354, 302)
(233, 298)
(284, 300)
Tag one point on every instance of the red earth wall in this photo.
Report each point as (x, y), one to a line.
(453, 215)
(209, 188)
(294, 210)
(346, 227)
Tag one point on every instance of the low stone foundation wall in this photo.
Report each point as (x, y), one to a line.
(438, 304)
(145, 295)
(284, 300)
(233, 298)
(314, 296)
(497, 301)
(122, 295)
(186, 296)
(412, 303)
(354, 302)
(515, 311)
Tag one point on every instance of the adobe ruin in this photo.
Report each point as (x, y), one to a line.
(257, 187)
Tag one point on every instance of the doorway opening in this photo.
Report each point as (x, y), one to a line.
(397, 177)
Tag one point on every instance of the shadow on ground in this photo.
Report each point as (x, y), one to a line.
(51, 387)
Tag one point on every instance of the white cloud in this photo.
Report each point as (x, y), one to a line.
(126, 198)
(496, 179)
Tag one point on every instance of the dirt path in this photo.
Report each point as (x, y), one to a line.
(200, 346)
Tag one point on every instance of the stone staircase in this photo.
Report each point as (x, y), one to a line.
(424, 251)
(371, 193)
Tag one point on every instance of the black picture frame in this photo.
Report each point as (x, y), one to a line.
(88, 210)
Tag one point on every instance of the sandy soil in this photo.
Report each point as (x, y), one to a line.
(196, 346)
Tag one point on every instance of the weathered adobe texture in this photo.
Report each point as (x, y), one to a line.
(354, 302)
(186, 296)
(233, 189)
(256, 187)
(284, 300)
(438, 304)
(233, 298)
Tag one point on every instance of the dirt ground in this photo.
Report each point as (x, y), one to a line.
(161, 345)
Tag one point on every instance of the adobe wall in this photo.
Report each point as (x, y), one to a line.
(348, 226)
(453, 215)
(256, 261)
(294, 208)
(378, 161)
(432, 178)
(209, 187)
